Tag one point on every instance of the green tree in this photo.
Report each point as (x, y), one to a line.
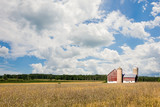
(159, 79)
(50, 77)
(5, 77)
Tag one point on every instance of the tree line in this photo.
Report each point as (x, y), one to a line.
(55, 77)
(70, 77)
(148, 79)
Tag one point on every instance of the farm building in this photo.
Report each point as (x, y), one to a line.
(116, 76)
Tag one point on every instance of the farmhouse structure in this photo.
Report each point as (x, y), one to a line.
(116, 76)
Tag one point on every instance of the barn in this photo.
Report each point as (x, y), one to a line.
(112, 76)
(116, 76)
(129, 78)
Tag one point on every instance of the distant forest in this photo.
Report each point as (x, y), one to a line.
(51, 77)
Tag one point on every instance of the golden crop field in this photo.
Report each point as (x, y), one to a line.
(80, 95)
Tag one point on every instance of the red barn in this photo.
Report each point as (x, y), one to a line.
(116, 76)
(112, 76)
(129, 78)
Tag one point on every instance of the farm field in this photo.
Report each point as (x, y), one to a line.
(45, 81)
(80, 94)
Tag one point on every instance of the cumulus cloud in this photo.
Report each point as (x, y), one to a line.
(153, 23)
(3, 51)
(145, 56)
(143, 2)
(38, 68)
(29, 25)
(119, 22)
(54, 15)
(57, 31)
(155, 8)
(92, 35)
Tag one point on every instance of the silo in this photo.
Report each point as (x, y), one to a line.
(135, 70)
(119, 75)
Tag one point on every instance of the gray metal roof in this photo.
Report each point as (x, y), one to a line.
(129, 75)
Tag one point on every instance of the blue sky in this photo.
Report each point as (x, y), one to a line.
(79, 37)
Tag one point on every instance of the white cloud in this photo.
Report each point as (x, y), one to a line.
(139, 1)
(155, 8)
(53, 15)
(38, 68)
(91, 35)
(55, 31)
(28, 25)
(153, 23)
(4, 70)
(143, 2)
(122, 1)
(119, 22)
(145, 56)
(3, 51)
(145, 7)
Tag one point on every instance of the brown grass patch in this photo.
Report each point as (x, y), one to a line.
(80, 94)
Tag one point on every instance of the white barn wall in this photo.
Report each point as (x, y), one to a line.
(128, 81)
(111, 81)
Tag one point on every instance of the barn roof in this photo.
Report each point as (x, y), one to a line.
(129, 75)
(112, 71)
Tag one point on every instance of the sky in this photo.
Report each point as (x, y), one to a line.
(79, 36)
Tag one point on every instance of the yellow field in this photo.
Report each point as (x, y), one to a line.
(80, 95)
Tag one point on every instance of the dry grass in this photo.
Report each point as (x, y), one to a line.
(80, 95)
